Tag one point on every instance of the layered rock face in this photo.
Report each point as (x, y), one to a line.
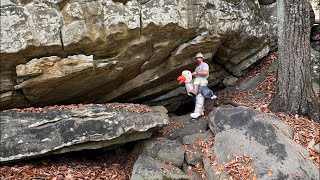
(62, 52)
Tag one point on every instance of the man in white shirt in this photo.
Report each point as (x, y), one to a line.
(201, 74)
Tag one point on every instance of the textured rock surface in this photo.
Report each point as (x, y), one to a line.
(253, 82)
(190, 172)
(162, 149)
(181, 126)
(315, 64)
(54, 131)
(230, 81)
(149, 168)
(244, 131)
(136, 48)
(210, 174)
(11, 99)
(195, 152)
(269, 13)
(317, 147)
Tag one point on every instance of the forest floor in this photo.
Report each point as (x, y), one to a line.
(115, 165)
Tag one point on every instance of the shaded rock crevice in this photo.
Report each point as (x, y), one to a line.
(61, 40)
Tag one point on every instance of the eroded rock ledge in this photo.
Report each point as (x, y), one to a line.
(53, 130)
(106, 50)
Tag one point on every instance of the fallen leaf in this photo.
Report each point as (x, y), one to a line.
(69, 177)
(254, 177)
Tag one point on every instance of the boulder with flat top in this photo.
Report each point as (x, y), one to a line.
(34, 132)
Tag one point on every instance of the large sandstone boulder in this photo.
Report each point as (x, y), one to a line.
(134, 50)
(244, 131)
(29, 133)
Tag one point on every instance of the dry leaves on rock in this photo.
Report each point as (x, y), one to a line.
(305, 132)
(136, 108)
(263, 66)
(239, 168)
(172, 168)
(204, 146)
(199, 168)
(268, 85)
(162, 132)
(45, 109)
(175, 124)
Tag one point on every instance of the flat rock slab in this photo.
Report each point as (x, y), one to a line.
(53, 130)
(245, 131)
(171, 151)
(181, 126)
(151, 169)
(253, 82)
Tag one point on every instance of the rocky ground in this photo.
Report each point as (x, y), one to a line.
(187, 149)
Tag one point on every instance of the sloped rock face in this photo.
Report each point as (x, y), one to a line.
(121, 51)
(58, 130)
(244, 131)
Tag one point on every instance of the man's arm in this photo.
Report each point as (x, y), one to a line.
(204, 73)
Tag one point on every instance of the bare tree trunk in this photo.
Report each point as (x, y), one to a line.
(294, 93)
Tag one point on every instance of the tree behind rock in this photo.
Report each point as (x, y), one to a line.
(294, 93)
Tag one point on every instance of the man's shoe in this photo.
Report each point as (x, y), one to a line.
(195, 115)
(213, 97)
